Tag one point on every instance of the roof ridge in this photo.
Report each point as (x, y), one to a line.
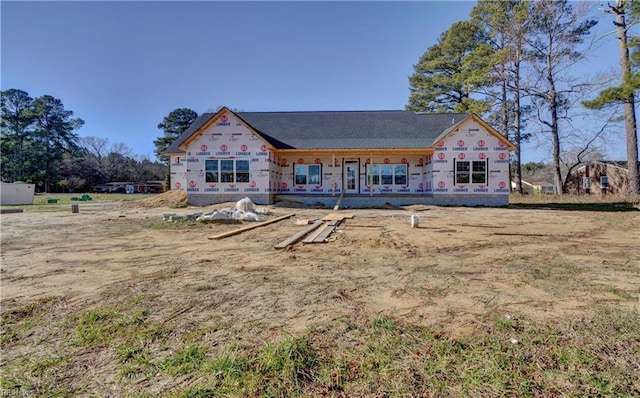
(328, 111)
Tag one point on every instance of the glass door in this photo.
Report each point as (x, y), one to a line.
(351, 176)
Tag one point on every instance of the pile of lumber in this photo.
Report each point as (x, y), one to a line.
(317, 232)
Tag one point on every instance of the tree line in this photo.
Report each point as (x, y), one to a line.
(40, 146)
(514, 62)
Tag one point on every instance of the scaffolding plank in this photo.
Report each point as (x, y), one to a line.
(240, 230)
(301, 234)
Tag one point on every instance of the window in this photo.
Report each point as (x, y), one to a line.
(242, 171)
(471, 172)
(400, 174)
(387, 174)
(211, 168)
(462, 172)
(479, 173)
(307, 174)
(226, 170)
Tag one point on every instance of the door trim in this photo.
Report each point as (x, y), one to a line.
(355, 163)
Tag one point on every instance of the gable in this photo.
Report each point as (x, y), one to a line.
(472, 127)
(213, 126)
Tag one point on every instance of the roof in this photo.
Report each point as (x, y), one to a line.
(620, 164)
(340, 129)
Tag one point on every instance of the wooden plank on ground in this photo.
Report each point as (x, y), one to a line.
(247, 228)
(337, 216)
(324, 234)
(312, 236)
(301, 234)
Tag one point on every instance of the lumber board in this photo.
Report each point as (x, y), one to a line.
(247, 228)
(324, 234)
(337, 216)
(311, 237)
(6, 211)
(301, 234)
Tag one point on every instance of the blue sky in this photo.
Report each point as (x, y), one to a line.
(122, 66)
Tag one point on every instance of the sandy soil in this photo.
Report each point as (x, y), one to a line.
(459, 267)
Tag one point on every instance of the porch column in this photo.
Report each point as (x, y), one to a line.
(370, 173)
(333, 175)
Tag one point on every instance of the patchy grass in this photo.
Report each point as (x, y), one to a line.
(605, 203)
(591, 355)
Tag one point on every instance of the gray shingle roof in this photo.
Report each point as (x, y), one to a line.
(342, 129)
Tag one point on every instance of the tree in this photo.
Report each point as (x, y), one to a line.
(54, 134)
(99, 163)
(172, 126)
(557, 32)
(450, 71)
(15, 130)
(624, 93)
(506, 25)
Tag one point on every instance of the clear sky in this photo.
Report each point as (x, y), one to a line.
(122, 66)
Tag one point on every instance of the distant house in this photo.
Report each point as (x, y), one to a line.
(368, 157)
(129, 187)
(599, 177)
(535, 187)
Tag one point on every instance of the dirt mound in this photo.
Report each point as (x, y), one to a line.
(167, 199)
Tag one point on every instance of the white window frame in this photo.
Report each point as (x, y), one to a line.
(469, 174)
(235, 174)
(302, 174)
(387, 173)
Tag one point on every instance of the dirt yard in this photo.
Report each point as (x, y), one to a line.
(116, 301)
(460, 267)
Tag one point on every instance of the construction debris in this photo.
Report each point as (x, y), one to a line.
(217, 217)
(315, 234)
(244, 210)
(325, 232)
(337, 216)
(295, 238)
(247, 228)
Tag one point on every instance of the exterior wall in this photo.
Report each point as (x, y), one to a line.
(415, 174)
(178, 172)
(227, 138)
(616, 176)
(471, 142)
(430, 178)
(330, 175)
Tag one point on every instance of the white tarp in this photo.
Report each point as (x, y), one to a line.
(16, 194)
(244, 210)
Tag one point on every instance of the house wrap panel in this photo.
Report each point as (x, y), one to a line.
(228, 139)
(470, 143)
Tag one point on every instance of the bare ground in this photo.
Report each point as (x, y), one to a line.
(459, 268)
(459, 271)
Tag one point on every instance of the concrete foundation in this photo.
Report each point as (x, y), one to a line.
(355, 201)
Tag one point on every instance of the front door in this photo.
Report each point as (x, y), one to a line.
(351, 176)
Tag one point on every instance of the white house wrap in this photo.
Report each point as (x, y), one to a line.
(373, 157)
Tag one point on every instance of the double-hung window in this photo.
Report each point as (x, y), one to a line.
(212, 173)
(471, 172)
(479, 172)
(307, 174)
